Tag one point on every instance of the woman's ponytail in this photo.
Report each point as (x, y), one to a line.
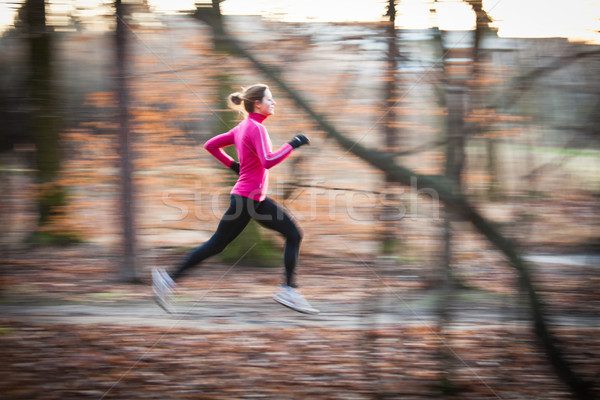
(236, 98)
(250, 95)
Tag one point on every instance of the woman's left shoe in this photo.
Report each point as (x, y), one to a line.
(162, 290)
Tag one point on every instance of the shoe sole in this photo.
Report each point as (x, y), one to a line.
(291, 306)
(162, 304)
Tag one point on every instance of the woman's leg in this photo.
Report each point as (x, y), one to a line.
(232, 224)
(271, 215)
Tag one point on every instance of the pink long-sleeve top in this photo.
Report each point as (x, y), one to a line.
(255, 154)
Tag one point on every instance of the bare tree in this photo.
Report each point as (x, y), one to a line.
(44, 120)
(127, 271)
(389, 217)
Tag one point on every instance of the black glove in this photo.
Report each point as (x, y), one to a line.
(299, 141)
(235, 166)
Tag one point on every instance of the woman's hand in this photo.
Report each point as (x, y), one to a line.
(235, 166)
(298, 141)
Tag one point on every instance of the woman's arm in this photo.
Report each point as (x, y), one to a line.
(269, 159)
(214, 147)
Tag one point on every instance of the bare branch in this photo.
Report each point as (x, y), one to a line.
(456, 203)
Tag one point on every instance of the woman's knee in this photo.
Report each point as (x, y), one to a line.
(295, 235)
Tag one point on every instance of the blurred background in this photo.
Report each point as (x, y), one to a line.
(485, 105)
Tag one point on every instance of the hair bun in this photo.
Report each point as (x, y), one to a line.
(235, 98)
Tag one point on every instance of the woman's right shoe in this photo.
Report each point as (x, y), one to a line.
(292, 298)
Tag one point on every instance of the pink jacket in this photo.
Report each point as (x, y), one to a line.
(255, 154)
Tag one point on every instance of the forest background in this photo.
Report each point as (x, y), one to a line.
(449, 200)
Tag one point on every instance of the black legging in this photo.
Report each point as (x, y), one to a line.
(241, 209)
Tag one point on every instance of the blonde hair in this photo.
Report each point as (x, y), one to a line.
(248, 96)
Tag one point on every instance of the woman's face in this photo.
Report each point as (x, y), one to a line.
(267, 105)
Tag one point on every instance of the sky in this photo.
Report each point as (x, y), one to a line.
(573, 19)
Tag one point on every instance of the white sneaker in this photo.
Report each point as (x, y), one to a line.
(292, 298)
(171, 285)
(161, 290)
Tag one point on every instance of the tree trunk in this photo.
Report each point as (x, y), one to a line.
(44, 120)
(389, 216)
(455, 74)
(127, 271)
(492, 168)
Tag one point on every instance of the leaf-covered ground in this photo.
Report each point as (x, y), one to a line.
(93, 362)
(298, 357)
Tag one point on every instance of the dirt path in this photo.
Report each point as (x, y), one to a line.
(383, 309)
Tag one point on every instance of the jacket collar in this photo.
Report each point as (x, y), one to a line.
(257, 117)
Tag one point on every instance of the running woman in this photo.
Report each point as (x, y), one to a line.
(248, 197)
